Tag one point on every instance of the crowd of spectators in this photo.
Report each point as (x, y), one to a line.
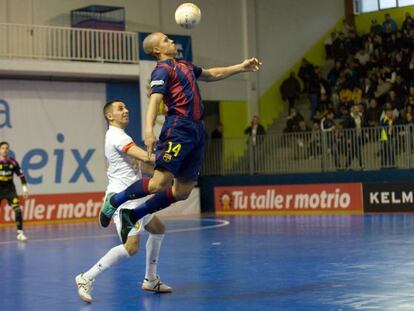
(371, 84)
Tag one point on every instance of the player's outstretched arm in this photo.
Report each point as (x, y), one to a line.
(220, 73)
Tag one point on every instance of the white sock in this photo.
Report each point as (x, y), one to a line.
(153, 251)
(112, 256)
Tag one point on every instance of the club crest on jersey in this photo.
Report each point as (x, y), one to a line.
(167, 157)
(157, 83)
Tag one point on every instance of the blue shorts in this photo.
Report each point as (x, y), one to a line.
(180, 148)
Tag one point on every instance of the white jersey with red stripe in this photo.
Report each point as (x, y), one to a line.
(121, 170)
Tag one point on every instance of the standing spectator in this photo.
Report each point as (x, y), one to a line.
(339, 47)
(315, 148)
(328, 127)
(386, 139)
(354, 137)
(373, 113)
(218, 132)
(302, 139)
(216, 147)
(290, 89)
(305, 74)
(255, 129)
(389, 25)
(408, 22)
(328, 45)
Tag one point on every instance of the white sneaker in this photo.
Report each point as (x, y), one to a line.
(20, 236)
(156, 286)
(84, 288)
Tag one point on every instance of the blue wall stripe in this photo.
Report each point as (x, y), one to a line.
(129, 94)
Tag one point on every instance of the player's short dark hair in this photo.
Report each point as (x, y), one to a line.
(4, 143)
(108, 106)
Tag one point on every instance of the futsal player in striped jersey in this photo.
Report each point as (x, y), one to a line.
(180, 148)
(120, 152)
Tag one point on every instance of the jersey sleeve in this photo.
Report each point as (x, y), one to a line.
(18, 172)
(123, 143)
(159, 80)
(197, 71)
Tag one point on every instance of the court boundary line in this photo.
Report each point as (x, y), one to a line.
(219, 223)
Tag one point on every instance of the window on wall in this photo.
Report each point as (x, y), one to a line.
(405, 2)
(386, 4)
(365, 6)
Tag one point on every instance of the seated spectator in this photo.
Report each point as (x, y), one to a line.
(375, 27)
(406, 110)
(388, 107)
(334, 73)
(354, 43)
(408, 118)
(382, 89)
(400, 88)
(347, 28)
(290, 89)
(356, 95)
(410, 98)
(368, 89)
(363, 56)
(394, 100)
(293, 120)
(318, 116)
(346, 95)
(343, 111)
(325, 103)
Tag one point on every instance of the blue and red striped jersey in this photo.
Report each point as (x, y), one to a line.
(177, 81)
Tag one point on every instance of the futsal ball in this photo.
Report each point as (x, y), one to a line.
(188, 15)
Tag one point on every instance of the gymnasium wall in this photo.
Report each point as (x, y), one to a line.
(285, 31)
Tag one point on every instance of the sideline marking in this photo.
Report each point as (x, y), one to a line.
(218, 223)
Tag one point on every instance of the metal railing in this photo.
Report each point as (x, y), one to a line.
(64, 43)
(343, 149)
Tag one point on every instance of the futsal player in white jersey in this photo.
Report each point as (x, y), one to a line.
(121, 154)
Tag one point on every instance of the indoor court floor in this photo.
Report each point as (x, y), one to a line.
(225, 263)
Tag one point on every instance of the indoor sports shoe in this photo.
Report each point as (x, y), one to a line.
(20, 236)
(156, 286)
(126, 223)
(107, 211)
(84, 288)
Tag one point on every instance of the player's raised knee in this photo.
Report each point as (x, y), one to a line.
(131, 248)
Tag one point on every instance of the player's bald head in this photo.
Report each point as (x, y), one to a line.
(151, 41)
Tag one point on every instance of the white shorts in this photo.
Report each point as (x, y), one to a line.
(139, 226)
